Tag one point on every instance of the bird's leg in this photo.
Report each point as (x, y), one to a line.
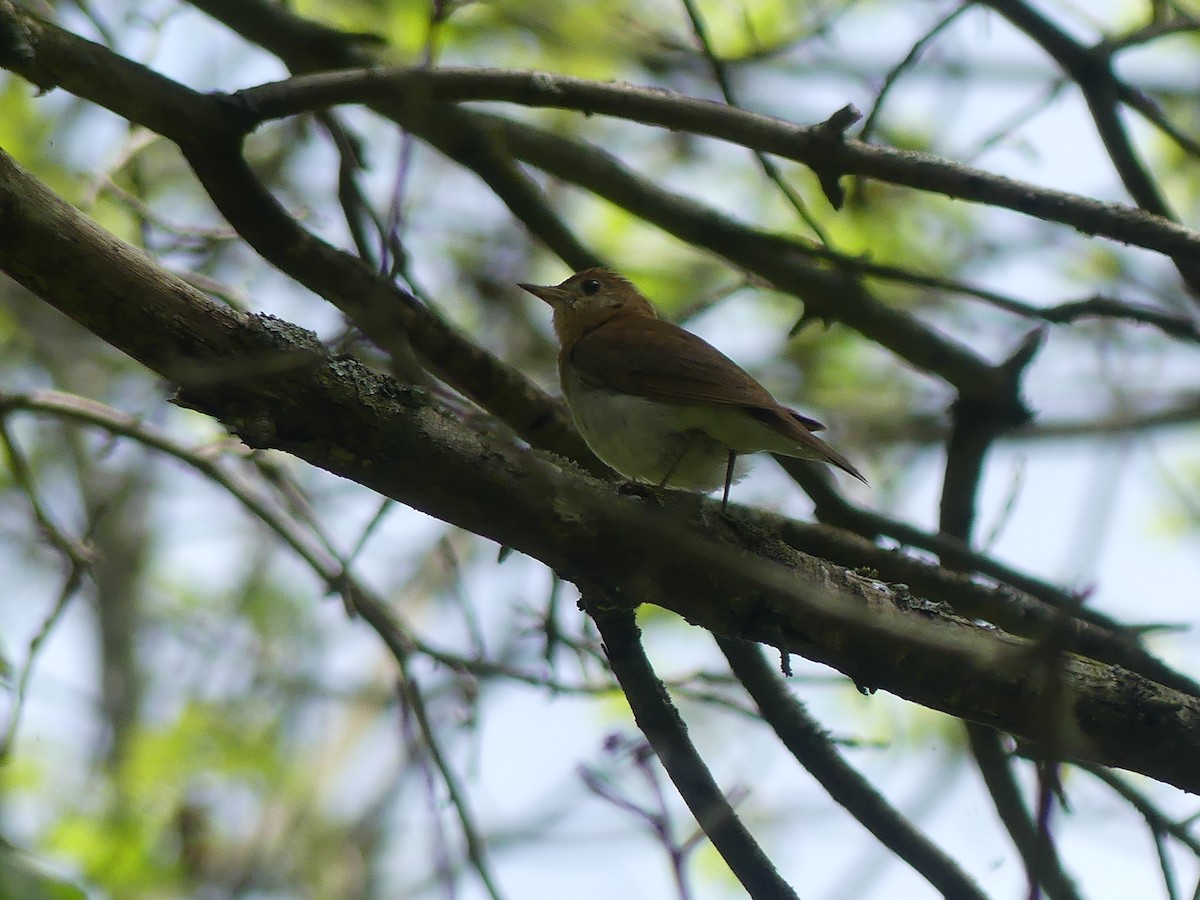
(692, 435)
(728, 479)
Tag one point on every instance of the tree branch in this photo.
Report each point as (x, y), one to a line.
(664, 728)
(1091, 70)
(278, 387)
(808, 144)
(811, 746)
(205, 129)
(1035, 849)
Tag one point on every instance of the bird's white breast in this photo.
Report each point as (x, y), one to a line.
(643, 439)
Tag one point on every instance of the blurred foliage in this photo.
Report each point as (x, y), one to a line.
(269, 752)
(22, 879)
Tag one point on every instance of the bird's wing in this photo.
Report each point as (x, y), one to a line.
(655, 359)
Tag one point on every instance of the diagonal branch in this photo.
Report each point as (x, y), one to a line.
(813, 749)
(1091, 70)
(201, 126)
(307, 46)
(664, 728)
(278, 387)
(1035, 849)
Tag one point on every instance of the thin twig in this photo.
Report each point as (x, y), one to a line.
(721, 76)
(80, 557)
(477, 851)
(1158, 823)
(910, 60)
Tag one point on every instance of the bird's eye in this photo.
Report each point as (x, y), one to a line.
(590, 286)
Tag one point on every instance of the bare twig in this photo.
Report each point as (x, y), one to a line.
(721, 76)
(1040, 859)
(910, 60)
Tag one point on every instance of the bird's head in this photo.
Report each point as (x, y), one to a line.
(588, 299)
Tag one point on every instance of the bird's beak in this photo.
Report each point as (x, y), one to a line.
(552, 295)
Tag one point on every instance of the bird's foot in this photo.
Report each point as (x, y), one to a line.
(641, 490)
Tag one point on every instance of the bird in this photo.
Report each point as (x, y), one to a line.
(657, 403)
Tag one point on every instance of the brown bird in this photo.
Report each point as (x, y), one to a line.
(658, 403)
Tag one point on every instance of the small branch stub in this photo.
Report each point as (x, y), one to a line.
(833, 132)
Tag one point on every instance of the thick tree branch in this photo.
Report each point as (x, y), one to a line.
(203, 127)
(278, 387)
(830, 292)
